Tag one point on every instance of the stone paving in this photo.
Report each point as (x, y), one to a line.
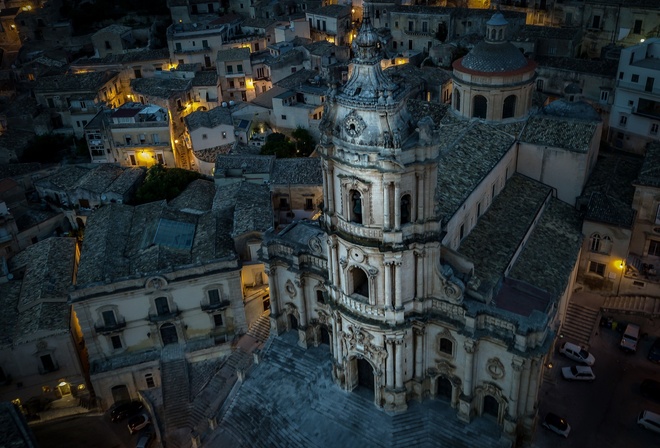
(290, 400)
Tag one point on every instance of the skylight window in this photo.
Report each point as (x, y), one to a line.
(174, 234)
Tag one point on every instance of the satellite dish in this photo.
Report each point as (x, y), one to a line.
(104, 197)
(231, 103)
(224, 104)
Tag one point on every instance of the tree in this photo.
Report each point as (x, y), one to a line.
(304, 142)
(164, 183)
(49, 148)
(278, 144)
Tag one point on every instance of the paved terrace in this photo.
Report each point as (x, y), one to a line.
(289, 400)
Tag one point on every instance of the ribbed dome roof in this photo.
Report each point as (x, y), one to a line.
(490, 57)
(497, 20)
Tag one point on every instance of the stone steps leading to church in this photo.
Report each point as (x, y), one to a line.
(579, 324)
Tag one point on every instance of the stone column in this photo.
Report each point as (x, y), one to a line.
(517, 365)
(397, 206)
(524, 387)
(389, 370)
(419, 344)
(274, 296)
(388, 283)
(331, 192)
(470, 348)
(535, 371)
(335, 264)
(300, 283)
(386, 205)
(419, 278)
(398, 376)
(420, 196)
(398, 303)
(325, 188)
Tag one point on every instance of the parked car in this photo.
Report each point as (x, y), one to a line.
(556, 424)
(138, 422)
(630, 338)
(649, 420)
(578, 373)
(577, 353)
(125, 409)
(650, 389)
(654, 352)
(144, 440)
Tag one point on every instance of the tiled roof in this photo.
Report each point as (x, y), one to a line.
(17, 169)
(533, 32)
(579, 110)
(210, 155)
(248, 204)
(258, 22)
(472, 151)
(233, 54)
(209, 119)
(332, 11)
(552, 250)
(126, 180)
(160, 87)
(34, 217)
(297, 171)
(66, 178)
(98, 179)
(249, 164)
(82, 82)
(51, 317)
(503, 227)
(119, 241)
(49, 270)
(609, 191)
(419, 109)
(599, 67)
(493, 57)
(570, 134)
(205, 78)
(197, 197)
(114, 28)
(650, 172)
(298, 235)
(9, 293)
(162, 55)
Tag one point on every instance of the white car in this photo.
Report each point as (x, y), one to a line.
(649, 420)
(557, 424)
(577, 353)
(578, 373)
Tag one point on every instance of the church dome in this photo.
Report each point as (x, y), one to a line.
(497, 20)
(491, 58)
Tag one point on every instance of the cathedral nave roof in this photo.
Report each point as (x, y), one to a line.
(565, 133)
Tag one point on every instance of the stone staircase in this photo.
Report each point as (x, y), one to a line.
(176, 387)
(260, 329)
(290, 400)
(579, 324)
(642, 305)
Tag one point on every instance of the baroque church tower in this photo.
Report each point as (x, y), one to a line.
(421, 273)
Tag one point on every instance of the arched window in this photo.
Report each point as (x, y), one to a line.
(492, 34)
(405, 209)
(600, 243)
(499, 34)
(320, 298)
(457, 100)
(360, 282)
(479, 107)
(162, 307)
(446, 346)
(509, 108)
(539, 85)
(356, 206)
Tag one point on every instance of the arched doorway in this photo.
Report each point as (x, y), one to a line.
(509, 107)
(444, 389)
(355, 211)
(168, 334)
(325, 336)
(365, 375)
(360, 282)
(491, 406)
(293, 322)
(406, 205)
(120, 393)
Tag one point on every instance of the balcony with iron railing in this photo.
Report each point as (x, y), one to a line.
(163, 316)
(105, 328)
(217, 306)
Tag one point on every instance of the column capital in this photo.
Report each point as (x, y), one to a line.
(518, 364)
(470, 346)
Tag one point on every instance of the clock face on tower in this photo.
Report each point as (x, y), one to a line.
(354, 124)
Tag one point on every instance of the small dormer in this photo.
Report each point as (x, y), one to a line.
(496, 29)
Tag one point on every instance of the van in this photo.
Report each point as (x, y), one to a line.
(649, 420)
(630, 338)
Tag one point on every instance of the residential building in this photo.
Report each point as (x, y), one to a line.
(236, 75)
(113, 39)
(74, 100)
(38, 356)
(207, 134)
(297, 189)
(538, 40)
(635, 115)
(301, 105)
(332, 23)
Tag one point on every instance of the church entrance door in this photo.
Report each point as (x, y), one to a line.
(293, 322)
(325, 336)
(445, 389)
(491, 406)
(365, 374)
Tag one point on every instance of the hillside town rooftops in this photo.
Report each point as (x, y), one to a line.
(9, 294)
(258, 22)
(599, 67)
(161, 54)
(248, 204)
(126, 180)
(205, 78)
(209, 119)
(247, 164)
(197, 197)
(210, 155)
(297, 171)
(533, 32)
(114, 29)
(557, 132)
(160, 87)
(649, 175)
(469, 153)
(335, 11)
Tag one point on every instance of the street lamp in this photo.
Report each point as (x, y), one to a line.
(622, 266)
